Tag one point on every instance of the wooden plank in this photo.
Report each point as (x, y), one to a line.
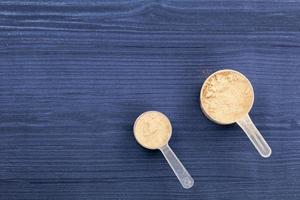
(74, 75)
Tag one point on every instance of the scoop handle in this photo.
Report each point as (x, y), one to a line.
(182, 174)
(255, 136)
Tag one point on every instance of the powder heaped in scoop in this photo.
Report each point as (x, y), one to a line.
(226, 96)
(152, 130)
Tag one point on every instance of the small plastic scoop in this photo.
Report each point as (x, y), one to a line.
(153, 130)
(227, 97)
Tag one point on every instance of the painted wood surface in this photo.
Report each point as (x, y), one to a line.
(74, 75)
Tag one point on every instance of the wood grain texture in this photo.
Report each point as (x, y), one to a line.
(74, 75)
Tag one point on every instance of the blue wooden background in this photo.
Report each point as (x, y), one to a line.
(74, 75)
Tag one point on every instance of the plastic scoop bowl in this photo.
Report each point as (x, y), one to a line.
(153, 130)
(242, 118)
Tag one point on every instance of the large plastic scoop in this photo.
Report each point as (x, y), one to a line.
(227, 97)
(153, 130)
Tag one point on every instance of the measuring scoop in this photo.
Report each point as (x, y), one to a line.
(153, 130)
(227, 97)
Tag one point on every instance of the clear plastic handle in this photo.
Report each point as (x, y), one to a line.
(182, 174)
(255, 136)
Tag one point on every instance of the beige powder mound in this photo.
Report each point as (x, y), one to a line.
(152, 130)
(226, 96)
